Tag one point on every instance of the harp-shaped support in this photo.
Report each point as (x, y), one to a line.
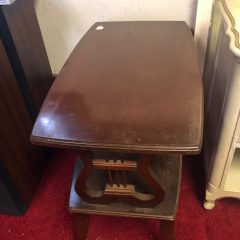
(118, 185)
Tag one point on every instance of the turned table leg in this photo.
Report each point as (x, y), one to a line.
(80, 225)
(166, 230)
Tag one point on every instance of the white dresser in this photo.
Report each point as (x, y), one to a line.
(222, 103)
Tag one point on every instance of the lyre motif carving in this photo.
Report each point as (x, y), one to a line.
(117, 186)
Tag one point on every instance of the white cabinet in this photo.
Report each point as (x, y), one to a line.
(222, 103)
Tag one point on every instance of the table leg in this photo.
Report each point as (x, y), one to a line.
(81, 226)
(166, 230)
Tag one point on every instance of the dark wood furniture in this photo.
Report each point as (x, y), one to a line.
(25, 78)
(129, 102)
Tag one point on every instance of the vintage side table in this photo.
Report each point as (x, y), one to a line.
(129, 102)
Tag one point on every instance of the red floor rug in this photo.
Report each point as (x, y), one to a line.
(48, 218)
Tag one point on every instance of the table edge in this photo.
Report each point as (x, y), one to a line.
(139, 148)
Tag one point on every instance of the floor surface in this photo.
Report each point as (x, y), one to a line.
(48, 217)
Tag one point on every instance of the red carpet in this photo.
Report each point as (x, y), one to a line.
(48, 218)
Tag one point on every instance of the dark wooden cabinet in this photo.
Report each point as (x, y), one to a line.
(25, 78)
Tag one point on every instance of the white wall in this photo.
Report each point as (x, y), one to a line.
(63, 22)
(203, 18)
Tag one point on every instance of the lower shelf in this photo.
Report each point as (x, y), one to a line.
(167, 168)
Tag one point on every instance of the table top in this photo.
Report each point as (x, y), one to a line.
(127, 86)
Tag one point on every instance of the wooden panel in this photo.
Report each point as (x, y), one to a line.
(23, 162)
(25, 31)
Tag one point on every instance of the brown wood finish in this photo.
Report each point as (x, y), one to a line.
(131, 87)
(120, 190)
(81, 222)
(81, 228)
(116, 92)
(114, 164)
(168, 170)
(25, 78)
(25, 31)
(23, 161)
(166, 230)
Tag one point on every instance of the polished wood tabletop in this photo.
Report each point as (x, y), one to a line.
(127, 86)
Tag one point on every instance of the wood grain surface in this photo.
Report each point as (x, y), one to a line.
(25, 32)
(132, 86)
(23, 162)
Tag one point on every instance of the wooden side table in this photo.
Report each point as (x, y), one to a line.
(129, 102)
